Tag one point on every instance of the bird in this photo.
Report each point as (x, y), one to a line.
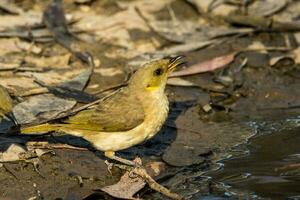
(6, 105)
(129, 116)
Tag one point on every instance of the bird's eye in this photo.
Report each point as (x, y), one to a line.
(158, 72)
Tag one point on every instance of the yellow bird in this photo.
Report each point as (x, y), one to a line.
(133, 114)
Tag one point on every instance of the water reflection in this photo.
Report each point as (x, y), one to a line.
(271, 169)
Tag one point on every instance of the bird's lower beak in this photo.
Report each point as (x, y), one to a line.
(174, 62)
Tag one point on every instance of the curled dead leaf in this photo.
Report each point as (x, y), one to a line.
(130, 184)
(205, 66)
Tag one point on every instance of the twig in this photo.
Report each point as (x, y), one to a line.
(9, 68)
(56, 146)
(65, 146)
(140, 171)
(10, 172)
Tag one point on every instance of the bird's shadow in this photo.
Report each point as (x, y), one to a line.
(153, 147)
(158, 144)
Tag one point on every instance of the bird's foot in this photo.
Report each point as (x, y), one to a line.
(138, 166)
(109, 166)
(129, 165)
(135, 163)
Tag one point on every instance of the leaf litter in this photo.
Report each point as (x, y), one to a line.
(45, 107)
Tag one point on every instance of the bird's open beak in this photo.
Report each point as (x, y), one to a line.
(174, 62)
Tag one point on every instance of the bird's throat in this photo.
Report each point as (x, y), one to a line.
(152, 88)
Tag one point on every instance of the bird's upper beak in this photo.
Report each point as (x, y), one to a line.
(174, 62)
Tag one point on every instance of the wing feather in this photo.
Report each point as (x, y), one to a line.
(119, 112)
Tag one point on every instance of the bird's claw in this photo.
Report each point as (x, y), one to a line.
(109, 166)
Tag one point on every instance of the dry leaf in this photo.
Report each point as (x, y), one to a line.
(53, 77)
(204, 6)
(59, 61)
(12, 153)
(14, 83)
(257, 46)
(27, 19)
(110, 71)
(294, 55)
(176, 81)
(47, 106)
(10, 7)
(266, 8)
(41, 107)
(128, 186)
(187, 47)
(13, 45)
(205, 66)
(17, 153)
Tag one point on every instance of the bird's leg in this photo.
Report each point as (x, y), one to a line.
(111, 155)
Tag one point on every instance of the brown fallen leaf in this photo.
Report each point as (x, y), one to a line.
(205, 66)
(60, 61)
(12, 153)
(294, 55)
(187, 47)
(288, 167)
(213, 7)
(13, 83)
(266, 8)
(55, 20)
(15, 45)
(180, 82)
(128, 185)
(10, 7)
(9, 66)
(27, 19)
(47, 106)
(18, 153)
(109, 71)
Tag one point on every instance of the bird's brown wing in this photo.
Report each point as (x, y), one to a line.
(119, 112)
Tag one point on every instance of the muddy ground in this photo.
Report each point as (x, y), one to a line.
(209, 121)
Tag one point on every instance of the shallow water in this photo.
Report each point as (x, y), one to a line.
(266, 170)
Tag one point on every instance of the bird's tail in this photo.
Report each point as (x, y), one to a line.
(40, 129)
(72, 129)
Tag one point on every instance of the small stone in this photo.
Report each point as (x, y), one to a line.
(206, 108)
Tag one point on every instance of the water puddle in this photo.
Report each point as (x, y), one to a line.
(271, 168)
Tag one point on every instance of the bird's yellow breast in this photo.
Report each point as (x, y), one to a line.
(156, 112)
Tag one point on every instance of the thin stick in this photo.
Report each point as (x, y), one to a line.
(140, 171)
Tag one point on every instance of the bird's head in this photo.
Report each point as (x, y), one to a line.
(153, 75)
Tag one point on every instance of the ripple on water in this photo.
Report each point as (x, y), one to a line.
(271, 169)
